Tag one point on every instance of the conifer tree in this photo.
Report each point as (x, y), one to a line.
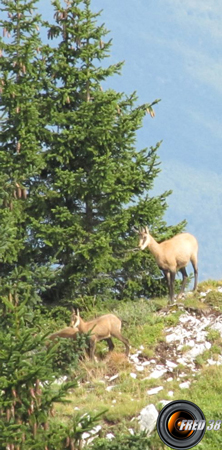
(21, 156)
(73, 182)
(97, 181)
(28, 393)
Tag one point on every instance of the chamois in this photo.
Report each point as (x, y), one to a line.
(172, 255)
(68, 332)
(101, 328)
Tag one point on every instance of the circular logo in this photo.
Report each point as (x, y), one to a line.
(181, 424)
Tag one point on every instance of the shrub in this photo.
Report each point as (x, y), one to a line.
(122, 442)
(68, 352)
(28, 392)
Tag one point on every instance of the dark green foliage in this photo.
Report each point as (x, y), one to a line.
(60, 314)
(28, 371)
(73, 182)
(68, 353)
(21, 156)
(26, 380)
(123, 442)
(72, 185)
(96, 183)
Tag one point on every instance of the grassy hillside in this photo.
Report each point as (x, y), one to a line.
(121, 387)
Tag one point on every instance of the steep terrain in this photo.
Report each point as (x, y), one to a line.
(175, 354)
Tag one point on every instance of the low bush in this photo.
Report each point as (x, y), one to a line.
(68, 353)
(122, 442)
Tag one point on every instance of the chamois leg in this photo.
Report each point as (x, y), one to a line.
(119, 336)
(185, 276)
(167, 275)
(195, 268)
(92, 347)
(172, 280)
(110, 344)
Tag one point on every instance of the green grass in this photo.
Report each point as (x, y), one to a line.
(206, 392)
(214, 299)
(143, 324)
(209, 284)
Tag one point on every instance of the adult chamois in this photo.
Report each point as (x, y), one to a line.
(101, 328)
(172, 255)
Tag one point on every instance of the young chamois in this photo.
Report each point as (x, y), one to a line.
(101, 328)
(68, 332)
(172, 255)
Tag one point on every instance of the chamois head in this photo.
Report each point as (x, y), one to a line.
(75, 319)
(144, 236)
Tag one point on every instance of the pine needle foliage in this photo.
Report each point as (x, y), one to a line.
(97, 182)
(28, 388)
(21, 153)
(73, 182)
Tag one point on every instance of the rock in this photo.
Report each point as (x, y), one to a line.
(157, 373)
(139, 368)
(109, 388)
(201, 337)
(211, 362)
(147, 419)
(85, 436)
(184, 318)
(182, 361)
(110, 436)
(61, 380)
(198, 349)
(172, 338)
(96, 429)
(171, 365)
(154, 390)
(191, 343)
(164, 402)
(170, 393)
(88, 437)
(133, 375)
(182, 375)
(114, 377)
(184, 385)
(218, 327)
(134, 359)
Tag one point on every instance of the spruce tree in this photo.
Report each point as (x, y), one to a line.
(29, 392)
(73, 182)
(21, 155)
(98, 181)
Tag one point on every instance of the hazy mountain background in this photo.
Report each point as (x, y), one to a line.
(172, 51)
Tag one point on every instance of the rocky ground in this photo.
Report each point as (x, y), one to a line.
(175, 358)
